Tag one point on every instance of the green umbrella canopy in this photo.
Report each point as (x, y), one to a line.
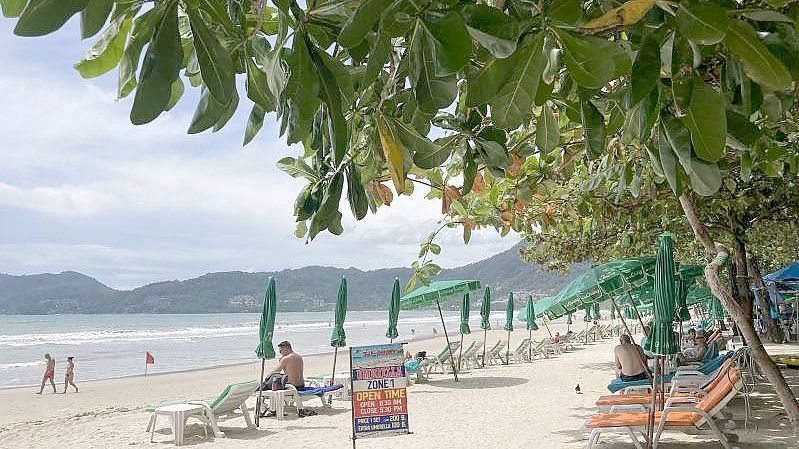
(265, 350)
(393, 311)
(465, 315)
(661, 340)
(628, 312)
(530, 312)
(596, 312)
(436, 291)
(509, 313)
(600, 281)
(339, 339)
(681, 313)
(485, 310)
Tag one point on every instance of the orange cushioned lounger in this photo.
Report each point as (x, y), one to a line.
(679, 416)
(645, 399)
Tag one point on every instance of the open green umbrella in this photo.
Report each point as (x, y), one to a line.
(338, 339)
(393, 312)
(434, 293)
(266, 329)
(485, 314)
(531, 325)
(661, 341)
(464, 325)
(508, 323)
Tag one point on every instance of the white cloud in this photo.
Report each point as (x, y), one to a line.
(90, 192)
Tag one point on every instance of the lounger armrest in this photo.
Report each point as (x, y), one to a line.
(686, 368)
(681, 400)
(695, 382)
(633, 389)
(676, 388)
(627, 408)
(688, 373)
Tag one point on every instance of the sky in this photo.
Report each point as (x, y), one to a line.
(83, 189)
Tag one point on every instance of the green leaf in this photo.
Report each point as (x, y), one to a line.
(42, 17)
(707, 122)
(646, 70)
(746, 166)
(330, 94)
(392, 153)
(705, 177)
(765, 15)
(93, 17)
(513, 104)
(547, 132)
(161, 65)
(432, 93)
(492, 29)
(300, 93)
(378, 55)
(364, 19)
(593, 129)
(106, 53)
(740, 128)
(586, 58)
(426, 153)
(452, 43)
(301, 230)
(356, 195)
(758, 63)
(142, 30)
(297, 168)
(258, 88)
(12, 8)
(702, 22)
(175, 92)
(485, 84)
(328, 209)
(668, 162)
(216, 67)
(254, 124)
(566, 11)
(211, 113)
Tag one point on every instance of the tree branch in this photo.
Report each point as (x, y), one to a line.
(699, 229)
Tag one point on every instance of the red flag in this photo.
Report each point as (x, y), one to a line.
(149, 359)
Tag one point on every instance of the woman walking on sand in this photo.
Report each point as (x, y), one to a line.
(69, 375)
(49, 373)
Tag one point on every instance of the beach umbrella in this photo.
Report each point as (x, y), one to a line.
(612, 313)
(464, 325)
(508, 323)
(660, 340)
(393, 311)
(434, 293)
(338, 339)
(485, 313)
(531, 325)
(266, 329)
(568, 322)
(597, 313)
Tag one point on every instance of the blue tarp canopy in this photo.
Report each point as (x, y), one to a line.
(786, 279)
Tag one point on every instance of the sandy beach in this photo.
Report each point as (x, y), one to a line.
(519, 405)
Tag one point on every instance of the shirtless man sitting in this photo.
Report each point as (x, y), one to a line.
(630, 358)
(290, 364)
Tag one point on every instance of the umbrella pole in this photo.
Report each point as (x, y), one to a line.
(333, 374)
(547, 326)
(507, 353)
(530, 347)
(446, 336)
(635, 308)
(258, 402)
(485, 336)
(650, 423)
(460, 354)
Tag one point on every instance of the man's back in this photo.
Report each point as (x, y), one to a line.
(293, 368)
(629, 357)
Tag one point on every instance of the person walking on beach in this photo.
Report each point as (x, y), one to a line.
(69, 375)
(49, 373)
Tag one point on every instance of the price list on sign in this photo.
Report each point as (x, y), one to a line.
(379, 397)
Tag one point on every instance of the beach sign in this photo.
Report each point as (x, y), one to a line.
(379, 396)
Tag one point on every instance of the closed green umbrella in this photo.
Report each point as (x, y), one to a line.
(612, 313)
(464, 325)
(587, 316)
(485, 313)
(660, 340)
(338, 339)
(508, 323)
(569, 322)
(266, 329)
(597, 313)
(434, 293)
(393, 311)
(531, 325)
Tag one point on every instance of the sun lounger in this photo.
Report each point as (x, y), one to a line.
(494, 355)
(468, 359)
(697, 374)
(678, 413)
(522, 352)
(540, 348)
(417, 367)
(442, 360)
(229, 403)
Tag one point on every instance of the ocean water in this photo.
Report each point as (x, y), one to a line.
(109, 346)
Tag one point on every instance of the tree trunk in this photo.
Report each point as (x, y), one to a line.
(773, 333)
(767, 366)
(744, 297)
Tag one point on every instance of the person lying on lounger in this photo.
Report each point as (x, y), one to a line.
(630, 360)
(695, 354)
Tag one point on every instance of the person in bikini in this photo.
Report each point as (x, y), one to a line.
(69, 375)
(49, 373)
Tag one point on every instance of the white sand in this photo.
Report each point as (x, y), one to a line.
(527, 405)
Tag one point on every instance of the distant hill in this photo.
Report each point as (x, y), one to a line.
(310, 288)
